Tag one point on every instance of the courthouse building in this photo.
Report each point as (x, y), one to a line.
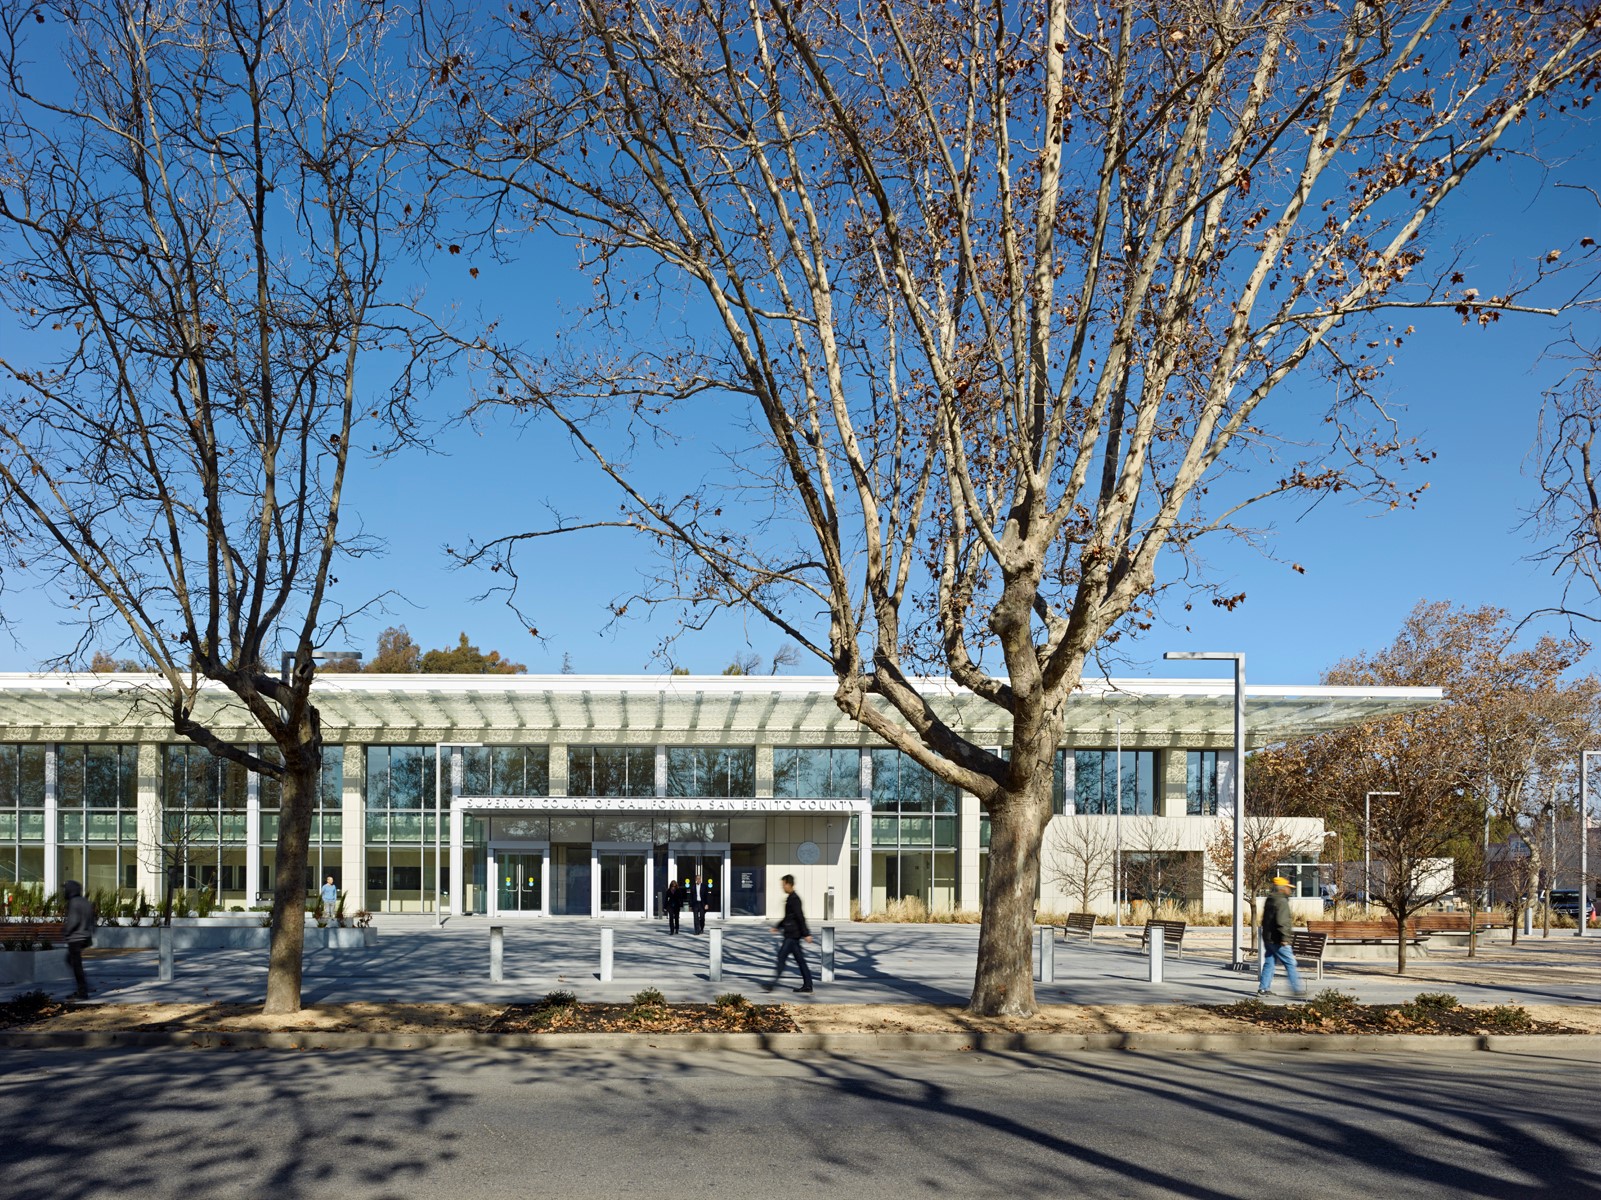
(580, 796)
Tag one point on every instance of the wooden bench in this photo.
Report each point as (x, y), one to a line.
(49, 932)
(1172, 936)
(1307, 948)
(1361, 931)
(1079, 923)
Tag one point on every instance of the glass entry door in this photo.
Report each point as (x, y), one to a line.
(622, 883)
(519, 881)
(708, 864)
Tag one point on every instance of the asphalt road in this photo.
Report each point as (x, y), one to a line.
(352, 1125)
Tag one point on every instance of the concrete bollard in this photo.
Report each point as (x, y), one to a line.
(1528, 920)
(497, 954)
(164, 954)
(828, 905)
(714, 953)
(606, 936)
(1047, 954)
(828, 953)
(1158, 949)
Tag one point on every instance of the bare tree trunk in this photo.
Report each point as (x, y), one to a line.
(1004, 981)
(299, 801)
(1400, 944)
(1473, 925)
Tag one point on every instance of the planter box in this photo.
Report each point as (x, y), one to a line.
(215, 937)
(33, 966)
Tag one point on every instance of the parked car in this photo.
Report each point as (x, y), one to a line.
(1565, 901)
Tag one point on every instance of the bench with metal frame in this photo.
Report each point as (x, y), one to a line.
(1083, 923)
(1172, 936)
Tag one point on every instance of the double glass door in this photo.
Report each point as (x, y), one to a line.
(519, 882)
(708, 864)
(622, 883)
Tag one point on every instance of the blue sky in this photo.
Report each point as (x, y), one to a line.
(1471, 395)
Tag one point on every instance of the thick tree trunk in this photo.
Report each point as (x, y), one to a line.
(299, 800)
(1003, 984)
(1400, 944)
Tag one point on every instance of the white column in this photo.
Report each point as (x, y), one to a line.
(661, 771)
(458, 825)
(544, 884)
(52, 822)
(594, 881)
(727, 876)
(967, 833)
(353, 827)
(148, 801)
(253, 834)
(650, 884)
(864, 865)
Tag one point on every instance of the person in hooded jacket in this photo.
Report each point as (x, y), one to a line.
(78, 928)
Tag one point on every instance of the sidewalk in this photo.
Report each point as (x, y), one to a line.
(876, 964)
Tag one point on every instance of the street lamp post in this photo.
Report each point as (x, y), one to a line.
(1367, 850)
(1584, 840)
(1236, 955)
(439, 754)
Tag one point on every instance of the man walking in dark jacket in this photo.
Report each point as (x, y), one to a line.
(78, 928)
(1278, 930)
(793, 930)
(700, 894)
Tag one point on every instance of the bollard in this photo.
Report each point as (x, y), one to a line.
(714, 961)
(828, 905)
(497, 953)
(164, 944)
(828, 954)
(1047, 954)
(1158, 949)
(606, 954)
(1528, 920)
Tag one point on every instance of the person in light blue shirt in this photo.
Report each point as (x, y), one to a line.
(330, 897)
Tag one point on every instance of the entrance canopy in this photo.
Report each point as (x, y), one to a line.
(705, 709)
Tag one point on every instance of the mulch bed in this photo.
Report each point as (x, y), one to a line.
(28, 1007)
(547, 1017)
(1337, 1012)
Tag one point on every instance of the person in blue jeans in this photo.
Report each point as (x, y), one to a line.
(1278, 930)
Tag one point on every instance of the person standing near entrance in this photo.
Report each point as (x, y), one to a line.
(673, 902)
(793, 930)
(1278, 931)
(330, 898)
(699, 897)
(78, 928)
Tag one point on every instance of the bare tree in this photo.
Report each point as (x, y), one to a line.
(1008, 291)
(199, 212)
(1079, 853)
(1153, 868)
(1567, 516)
(1268, 840)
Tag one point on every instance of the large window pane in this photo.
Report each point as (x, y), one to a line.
(606, 771)
(1200, 783)
(812, 772)
(1098, 779)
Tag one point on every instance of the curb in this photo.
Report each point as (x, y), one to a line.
(1584, 1045)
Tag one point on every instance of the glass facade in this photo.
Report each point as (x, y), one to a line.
(1098, 774)
(1303, 873)
(724, 771)
(914, 832)
(22, 814)
(97, 816)
(808, 772)
(505, 771)
(400, 829)
(203, 823)
(323, 856)
(1200, 783)
(611, 771)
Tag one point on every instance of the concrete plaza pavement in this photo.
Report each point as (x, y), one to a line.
(362, 1125)
(876, 964)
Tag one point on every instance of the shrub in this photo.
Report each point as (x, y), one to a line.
(559, 999)
(649, 998)
(1436, 1001)
(731, 1000)
(1331, 1002)
(1506, 1018)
